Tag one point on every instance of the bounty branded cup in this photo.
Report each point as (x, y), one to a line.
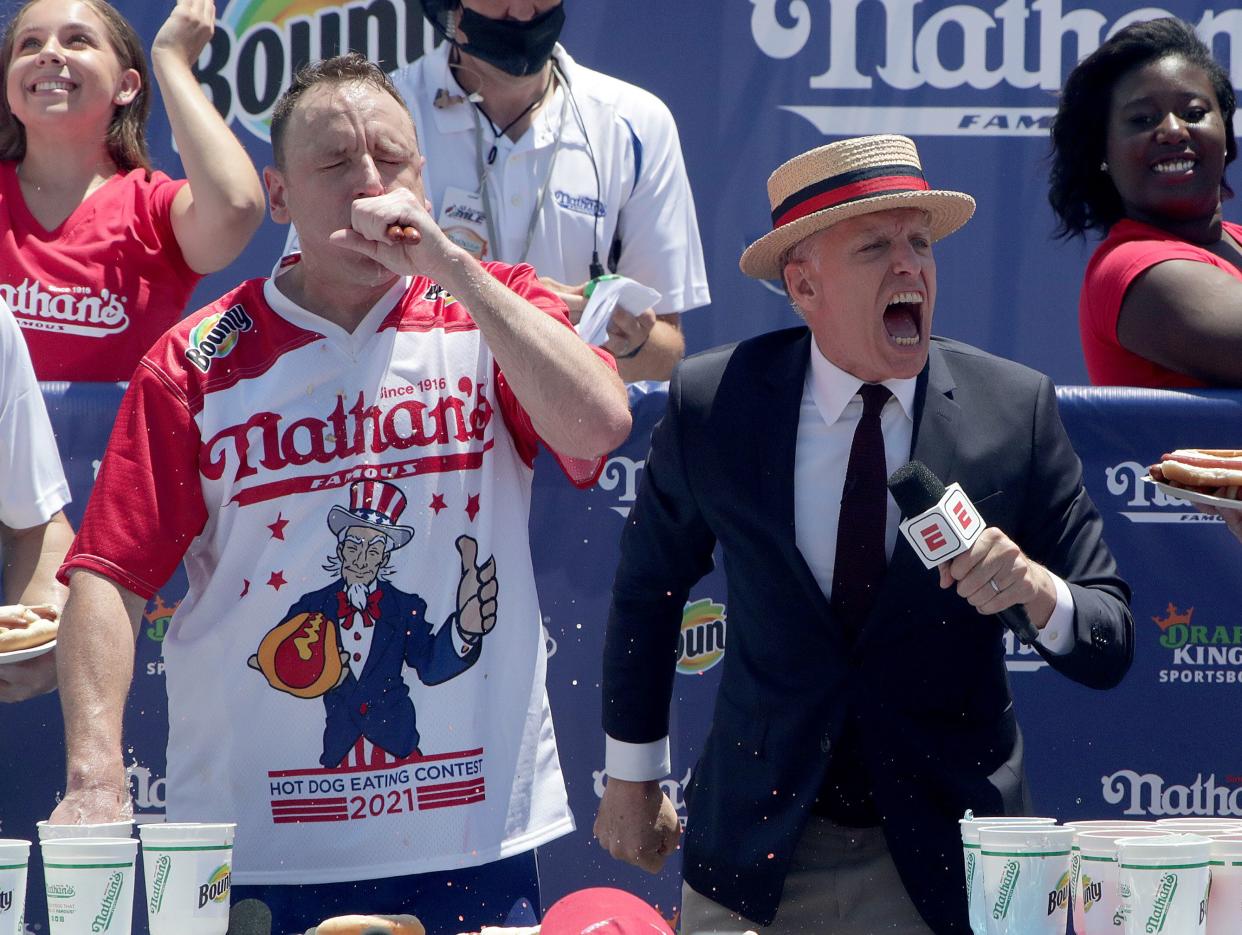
(970, 854)
(14, 857)
(89, 884)
(1097, 900)
(1094, 824)
(188, 869)
(1164, 884)
(1026, 879)
(1225, 900)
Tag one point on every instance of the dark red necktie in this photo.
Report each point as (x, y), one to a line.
(860, 561)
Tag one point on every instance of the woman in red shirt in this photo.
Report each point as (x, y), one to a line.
(1140, 143)
(98, 252)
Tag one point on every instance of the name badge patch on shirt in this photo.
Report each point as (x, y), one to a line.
(464, 222)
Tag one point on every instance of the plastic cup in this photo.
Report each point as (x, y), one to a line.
(1225, 898)
(1026, 879)
(188, 869)
(14, 860)
(1097, 900)
(1164, 884)
(970, 855)
(1201, 825)
(90, 885)
(111, 829)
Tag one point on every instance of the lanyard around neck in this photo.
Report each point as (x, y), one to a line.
(483, 169)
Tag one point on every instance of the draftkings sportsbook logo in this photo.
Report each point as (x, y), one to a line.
(1144, 502)
(1202, 653)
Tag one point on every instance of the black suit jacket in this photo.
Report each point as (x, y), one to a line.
(926, 677)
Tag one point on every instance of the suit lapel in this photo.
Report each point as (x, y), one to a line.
(784, 382)
(934, 443)
(381, 634)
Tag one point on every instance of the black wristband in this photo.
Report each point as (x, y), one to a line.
(634, 353)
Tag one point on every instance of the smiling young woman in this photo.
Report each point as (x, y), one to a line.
(98, 252)
(1141, 140)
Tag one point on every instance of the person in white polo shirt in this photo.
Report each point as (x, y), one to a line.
(343, 454)
(34, 532)
(534, 158)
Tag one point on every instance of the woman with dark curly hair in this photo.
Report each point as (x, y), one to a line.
(1140, 143)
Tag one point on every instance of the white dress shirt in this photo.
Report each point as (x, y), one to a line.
(829, 413)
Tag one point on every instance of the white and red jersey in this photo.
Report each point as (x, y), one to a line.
(240, 444)
(96, 292)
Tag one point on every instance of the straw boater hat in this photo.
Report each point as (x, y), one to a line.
(843, 180)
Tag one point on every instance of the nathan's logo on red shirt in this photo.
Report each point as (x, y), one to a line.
(216, 336)
(66, 309)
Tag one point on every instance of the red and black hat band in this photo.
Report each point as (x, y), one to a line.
(846, 187)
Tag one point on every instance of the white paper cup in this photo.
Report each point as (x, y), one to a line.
(1225, 897)
(111, 829)
(1026, 879)
(14, 860)
(970, 856)
(1097, 900)
(188, 868)
(1164, 884)
(1201, 825)
(90, 885)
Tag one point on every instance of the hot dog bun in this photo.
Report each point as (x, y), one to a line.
(22, 627)
(1200, 467)
(358, 925)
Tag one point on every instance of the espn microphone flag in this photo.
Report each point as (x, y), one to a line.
(941, 521)
(942, 524)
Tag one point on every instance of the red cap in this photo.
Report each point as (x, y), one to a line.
(603, 911)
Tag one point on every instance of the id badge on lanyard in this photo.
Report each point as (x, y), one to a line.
(463, 218)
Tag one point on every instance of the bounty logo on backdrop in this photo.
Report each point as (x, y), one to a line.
(981, 68)
(701, 643)
(260, 44)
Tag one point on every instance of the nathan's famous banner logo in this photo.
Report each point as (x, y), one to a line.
(981, 68)
(701, 643)
(1146, 795)
(1141, 501)
(260, 44)
(1200, 651)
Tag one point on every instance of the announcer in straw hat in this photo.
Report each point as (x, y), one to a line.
(864, 704)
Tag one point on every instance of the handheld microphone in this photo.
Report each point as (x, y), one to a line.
(941, 523)
(250, 917)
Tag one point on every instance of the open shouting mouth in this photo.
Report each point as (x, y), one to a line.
(903, 318)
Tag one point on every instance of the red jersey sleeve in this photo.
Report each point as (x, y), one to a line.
(522, 279)
(147, 504)
(159, 193)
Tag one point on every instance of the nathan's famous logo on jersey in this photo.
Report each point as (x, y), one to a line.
(1148, 794)
(701, 643)
(1140, 501)
(270, 441)
(988, 66)
(158, 618)
(216, 889)
(66, 309)
(1199, 652)
(260, 44)
(216, 336)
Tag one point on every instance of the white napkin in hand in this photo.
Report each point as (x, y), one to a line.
(610, 291)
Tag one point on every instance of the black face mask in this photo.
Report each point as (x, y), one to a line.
(516, 48)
